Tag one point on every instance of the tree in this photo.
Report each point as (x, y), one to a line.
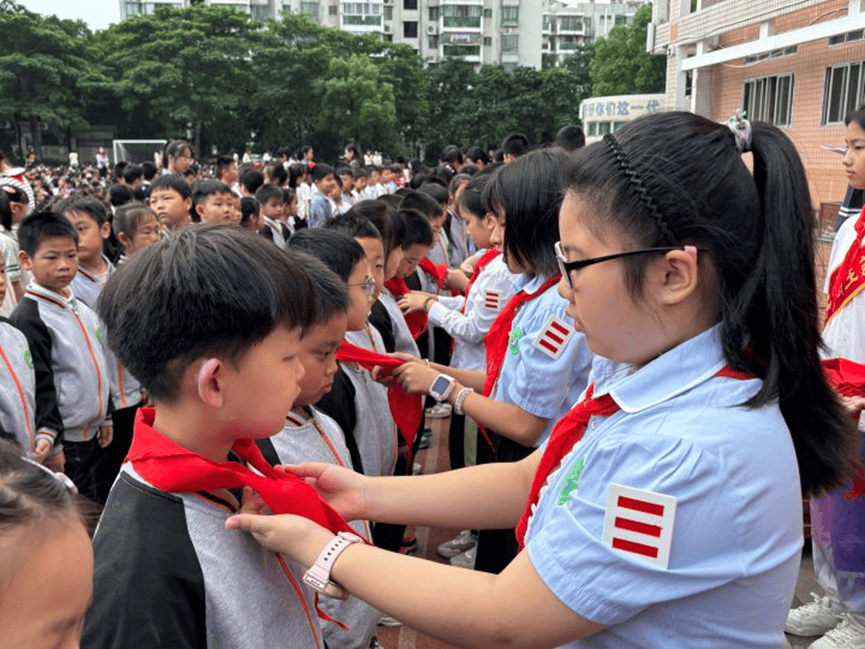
(42, 62)
(179, 69)
(355, 103)
(621, 64)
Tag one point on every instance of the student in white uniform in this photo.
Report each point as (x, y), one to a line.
(674, 517)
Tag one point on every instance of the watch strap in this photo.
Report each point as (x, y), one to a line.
(318, 575)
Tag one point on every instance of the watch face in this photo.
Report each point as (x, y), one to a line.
(440, 385)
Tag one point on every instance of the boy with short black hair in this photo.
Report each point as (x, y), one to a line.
(360, 177)
(211, 322)
(270, 198)
(374, 429)
(66, 341)
(213, 202)
(309, 435)
(171, 201)
(321, 205)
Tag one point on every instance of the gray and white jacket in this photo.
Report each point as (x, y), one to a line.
(18, 387)
(68, 348)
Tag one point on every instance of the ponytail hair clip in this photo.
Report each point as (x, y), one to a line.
(741, 129)
(62, 478)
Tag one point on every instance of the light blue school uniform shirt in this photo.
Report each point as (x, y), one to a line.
(737, 530)
(531, 378)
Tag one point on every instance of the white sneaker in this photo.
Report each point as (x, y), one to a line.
(815, 618)
(465, 540)
(439, 411)
(850, 634)
(466, 559)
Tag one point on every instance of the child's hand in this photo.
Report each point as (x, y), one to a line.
(41, 450)
(104, 435)
(457, 279)
(377, 375)
(415, 377)
(341, 488)
(468, 266)
(414, 301)
(57, 462)
(854, 406)
(294, 536)
(252, 503)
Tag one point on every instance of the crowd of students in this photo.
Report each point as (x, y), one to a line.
(625, 337)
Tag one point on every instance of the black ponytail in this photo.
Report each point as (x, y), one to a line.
(679, 178)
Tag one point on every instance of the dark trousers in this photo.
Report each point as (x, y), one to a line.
(85, 466)
(124, 423)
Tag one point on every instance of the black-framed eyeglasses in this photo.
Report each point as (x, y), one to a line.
(369, 285)
(567, 267)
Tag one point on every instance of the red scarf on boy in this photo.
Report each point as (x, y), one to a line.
(498, 337)
(417, 320)
(407, 409)
(170, 467)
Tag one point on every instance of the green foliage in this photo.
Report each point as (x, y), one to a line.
(211, 73)
(42, 66)
(621, 64)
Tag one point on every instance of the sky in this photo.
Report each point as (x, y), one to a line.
(98, 14)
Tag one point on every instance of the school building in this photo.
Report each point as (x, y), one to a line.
(799, 65)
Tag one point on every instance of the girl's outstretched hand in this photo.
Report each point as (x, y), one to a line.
(287, 534)
(342, 488)
(415, 377)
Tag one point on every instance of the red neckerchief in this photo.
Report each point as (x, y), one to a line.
(172, 468)
(568, 431)
(849, 277)
(407, 409)
(417, 320)
(497, 338)
(848, 379)
(438, 273)
(488, 256)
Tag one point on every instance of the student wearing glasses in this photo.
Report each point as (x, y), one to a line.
(665, 508)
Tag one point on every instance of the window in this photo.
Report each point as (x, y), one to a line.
(433, 42)
(488, 41)
(387, 38)
(843, 92)
(409, 29)
(309, 9)
(488, 13)
(409, 4)
(773, 54)
(333, 10)
(510, 43)
(621, 20)
(388, 12)
(459, 50)
(570, 24)
(361, 13)
(259, 12)
(510, 15)
(849, 37)
(769, 99)
(434, 13)
(547, 23)
(462, 16)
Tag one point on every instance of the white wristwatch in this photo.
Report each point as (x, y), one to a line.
(318, 576)
(441, 387)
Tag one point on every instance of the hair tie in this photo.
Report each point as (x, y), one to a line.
(742, 131)
(62, 478)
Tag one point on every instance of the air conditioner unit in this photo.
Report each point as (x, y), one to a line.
(432, 29)
(387, 29)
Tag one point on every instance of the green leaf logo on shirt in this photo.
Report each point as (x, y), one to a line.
(572, 482)
(99, 335)
(28, 358)
(513, 344)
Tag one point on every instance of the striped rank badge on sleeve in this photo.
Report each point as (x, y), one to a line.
(640, 523)
(491, 300)
(554, 337)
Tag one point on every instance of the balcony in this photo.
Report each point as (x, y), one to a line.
(462, 22)
(361, 21)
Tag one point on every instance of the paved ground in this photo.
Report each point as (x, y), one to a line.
(435, 459)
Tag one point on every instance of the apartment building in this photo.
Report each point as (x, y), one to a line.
(566, 26)
(799, 65)
(506, 32)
